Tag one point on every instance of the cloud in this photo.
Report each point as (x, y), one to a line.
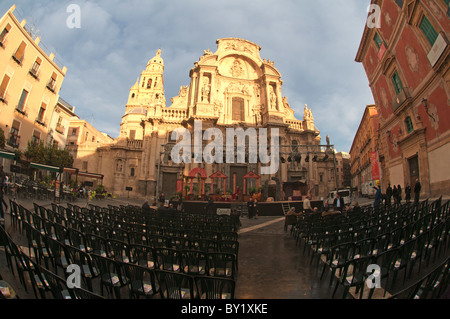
(313, 44)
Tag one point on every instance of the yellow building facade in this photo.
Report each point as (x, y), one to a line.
(30, 81)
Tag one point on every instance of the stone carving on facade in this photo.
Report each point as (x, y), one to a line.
(206, 91)
(273, 98)
(413, 58)
(237, 45)
(119, 166)
(307, 114)
(236, 70)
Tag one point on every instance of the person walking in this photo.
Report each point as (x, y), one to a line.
(417, 189)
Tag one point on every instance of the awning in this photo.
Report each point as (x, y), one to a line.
(7, 155)
(46, 167)
(75, 171)
(91, 175)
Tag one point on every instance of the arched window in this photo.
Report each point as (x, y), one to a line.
(149, 83)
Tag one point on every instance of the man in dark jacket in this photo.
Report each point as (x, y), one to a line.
(388, 195)
(338, 203)
(417, 189)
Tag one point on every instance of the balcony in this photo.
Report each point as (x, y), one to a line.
(135, 144)
(34, 73)
(41, 122)
(60, 129)
(4, 97)
(13, 141)
(18, 60)
(51, 85)
(21, 109)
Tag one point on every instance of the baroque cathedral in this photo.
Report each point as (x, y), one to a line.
(230, 88)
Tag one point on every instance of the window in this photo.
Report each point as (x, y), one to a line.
(4, 87)
(132, 171)
(52, 82)
(377, 40)
(149, 83)
(428, 30)
(409, 125)
(20, 53)
(85, 166)
(34, 71)
(399, 3)
(36, 138)
(59, 127)
(398, 86)
(4, 34)
(238, 109)
(22, 101)
(41, 113)
(74, 132)
(14, 137)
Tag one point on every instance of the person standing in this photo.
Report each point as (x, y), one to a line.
(250, 208)
(395, 194)
(2, 214)
(377, 200)
(408, 193)
(338, 203)
(307, 205)
(417, 189)
(162, 199)
(388, 195)
(399, 194)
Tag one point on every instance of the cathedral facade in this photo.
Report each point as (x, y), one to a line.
(230, 88)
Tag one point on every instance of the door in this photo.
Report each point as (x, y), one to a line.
(169, 187)
(413, 170)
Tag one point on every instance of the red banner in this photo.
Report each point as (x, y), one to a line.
(375, 166)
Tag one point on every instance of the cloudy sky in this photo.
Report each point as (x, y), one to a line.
(313, 45)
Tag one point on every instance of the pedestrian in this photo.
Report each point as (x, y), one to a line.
(307, 204)
(162, 199)
(338, 203)
(180, 205)
(408, 193)
(255, 208)
(388, 195)
(399, 194)
(377, 200)
(395, 194)
(146, 208)
(209, 208)
(417, 189)
(2, 215)
(250, 208)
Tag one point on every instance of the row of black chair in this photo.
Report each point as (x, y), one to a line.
(114, 275)
(395, 244)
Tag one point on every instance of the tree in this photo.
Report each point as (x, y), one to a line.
(48, 155)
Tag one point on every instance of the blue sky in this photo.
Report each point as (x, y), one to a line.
(313, 45)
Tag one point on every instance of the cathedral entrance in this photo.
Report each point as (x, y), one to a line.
(237, 174)
(169, 186)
